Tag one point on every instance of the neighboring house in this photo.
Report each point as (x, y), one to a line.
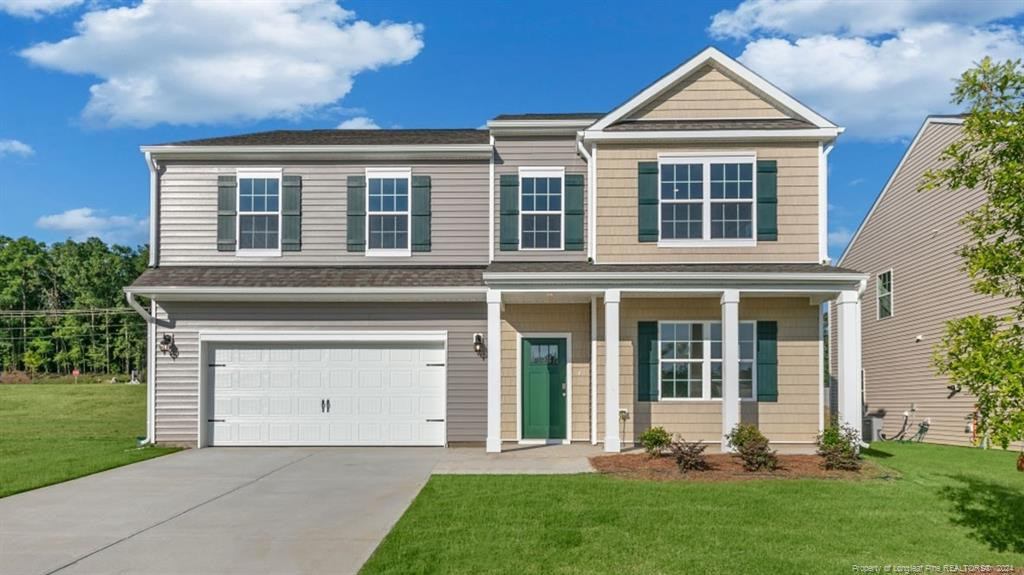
(909, 244)
(526, 283)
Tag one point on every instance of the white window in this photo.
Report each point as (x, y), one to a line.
(690, 360)
(541, 208)
(259, 212)
(884, 290)
(706, 200)
(387, 211)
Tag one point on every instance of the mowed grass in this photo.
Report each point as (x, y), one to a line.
(941, 505)
(54, 432)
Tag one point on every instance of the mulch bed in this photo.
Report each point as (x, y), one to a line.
(723, 468)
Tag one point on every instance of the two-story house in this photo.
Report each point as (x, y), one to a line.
(552, 278)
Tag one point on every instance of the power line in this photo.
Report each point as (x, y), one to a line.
(66, 312)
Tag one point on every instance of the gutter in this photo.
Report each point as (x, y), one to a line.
(724, 135)
(475, 151)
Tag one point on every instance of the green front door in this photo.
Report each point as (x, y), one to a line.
(544, 387)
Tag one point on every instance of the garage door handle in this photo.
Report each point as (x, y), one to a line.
(215, 421)
(328, 406)
(435, 365)
(435, 421)
(323, 405)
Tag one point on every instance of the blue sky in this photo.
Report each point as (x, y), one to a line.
(86, 82)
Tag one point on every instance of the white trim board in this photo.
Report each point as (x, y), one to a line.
(519, 386)
(712, 55)
(888, 183)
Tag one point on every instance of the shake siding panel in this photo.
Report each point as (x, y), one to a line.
(708, 94)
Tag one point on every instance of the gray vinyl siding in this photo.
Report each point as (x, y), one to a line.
(917, 235)
(188, 213)
(177, 379)
(511, 153)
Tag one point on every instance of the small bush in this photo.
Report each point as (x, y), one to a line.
(655, 440)
(690, 455)
(752, 447)
(839, 448)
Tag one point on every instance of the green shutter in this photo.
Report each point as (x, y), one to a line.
(421, 213)
(509, 212)
(574, 212)
(647, 361)
(647, 201)
(291, 213)
(767, 361)
(356, 214)
(227, 195)
(767, 201)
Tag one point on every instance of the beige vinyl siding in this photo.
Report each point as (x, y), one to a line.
(520, 319)
(797, 206)
(793, 419)
(177, 379)
(188, 214)
(708, 93)
(918, 236)
(511, 153)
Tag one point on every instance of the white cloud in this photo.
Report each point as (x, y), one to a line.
(359, 123)
(36, 8)
(15, 148)
(83, 223)
(853, 17)
(191, 62)
(838, 238)
(879, 89)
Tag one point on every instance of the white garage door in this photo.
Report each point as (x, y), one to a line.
(327, 394)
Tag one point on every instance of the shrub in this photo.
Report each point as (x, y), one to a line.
(655, 440)
(690, 455)
(839, 448)
(752, 447)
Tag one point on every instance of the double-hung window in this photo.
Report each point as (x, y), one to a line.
(690, 363)
(706, 200)
(387, 213)
(259, 212)
(884, 291)
(541, 208)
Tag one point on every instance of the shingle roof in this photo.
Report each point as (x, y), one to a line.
(686, 125)
(556, 116)
(306, 277)
(586, 267)
(345, 138)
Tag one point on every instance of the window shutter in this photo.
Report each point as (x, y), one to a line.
(647, 201)
(767, 201)
(647, 361)
(227, 195)
(509, 212)
(421, 213)
(291, 213)
(356, 213)
(574, 212)
(767, 361)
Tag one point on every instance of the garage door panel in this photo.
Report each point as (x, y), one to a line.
(380, 394)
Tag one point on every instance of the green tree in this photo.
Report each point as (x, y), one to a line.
(985, 354)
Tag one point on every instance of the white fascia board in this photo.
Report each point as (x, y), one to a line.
(813, 134)
(322, 336)
(279, 152)
(567, 126)
(712, 54)
(172, 293)
(878, 200)
(675, 282)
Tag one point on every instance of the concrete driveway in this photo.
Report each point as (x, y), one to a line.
(220, 510)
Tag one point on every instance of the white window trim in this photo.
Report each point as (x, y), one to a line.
(398, 173)
(542, 172)
(260, 173)
(878, 295)
(705, 362)
(706, 159)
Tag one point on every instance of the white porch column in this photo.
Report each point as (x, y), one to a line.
(730, 362)
(493, 371)
(848, 354)
(612, 441)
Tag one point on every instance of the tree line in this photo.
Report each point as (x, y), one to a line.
(62, 307)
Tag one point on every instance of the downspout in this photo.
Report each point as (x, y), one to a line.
(490, 206)
(150, 363)
(823, 151)
(591, 185)
(153, 182)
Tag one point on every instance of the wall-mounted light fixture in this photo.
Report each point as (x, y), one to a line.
(166, 345)
(478, 343)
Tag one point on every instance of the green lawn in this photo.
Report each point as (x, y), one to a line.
(54, 432)
(948, 505)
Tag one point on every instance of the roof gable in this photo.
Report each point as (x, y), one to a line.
(709, 94)
(668, 94)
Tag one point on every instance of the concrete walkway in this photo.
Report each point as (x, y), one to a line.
(223, 510)
(519, 459)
